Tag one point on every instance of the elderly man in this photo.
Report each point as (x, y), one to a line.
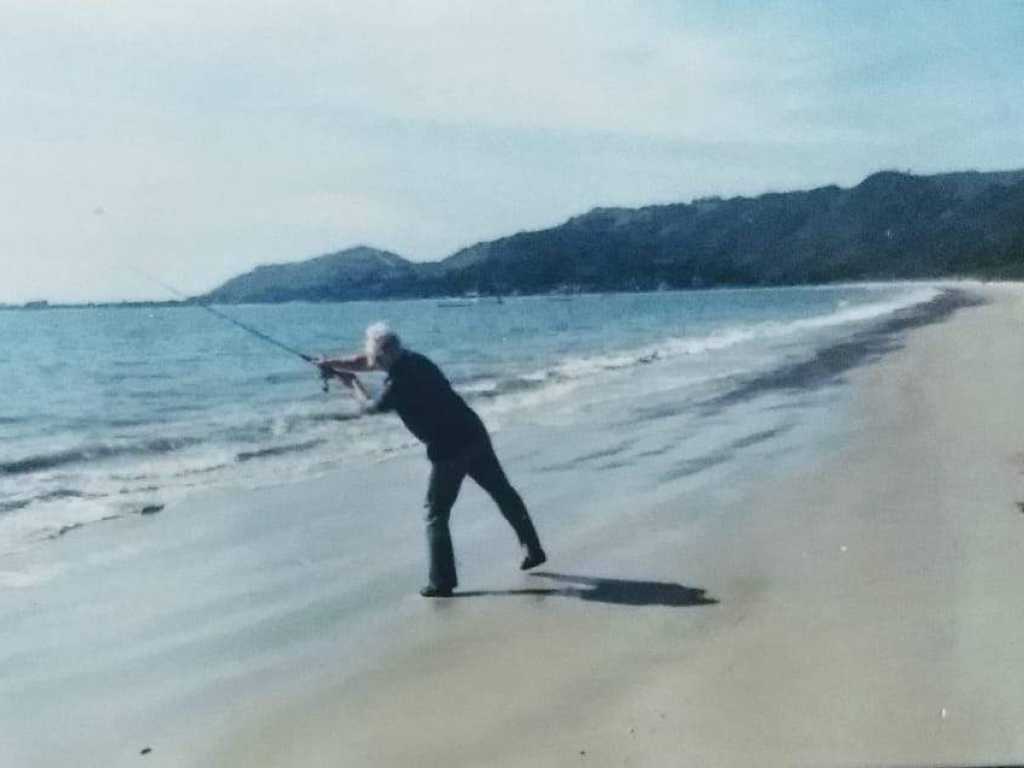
(456, 439)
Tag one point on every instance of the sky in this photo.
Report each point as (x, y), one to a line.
(192, 141)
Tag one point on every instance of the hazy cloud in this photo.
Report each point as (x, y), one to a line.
(218, 135)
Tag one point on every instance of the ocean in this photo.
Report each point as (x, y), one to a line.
(115, 410)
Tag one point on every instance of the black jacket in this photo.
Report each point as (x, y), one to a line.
(428, 406)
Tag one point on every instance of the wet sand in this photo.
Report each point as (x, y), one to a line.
(863, 609)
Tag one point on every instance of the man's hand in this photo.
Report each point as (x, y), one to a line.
(347, 378)
(328, 371)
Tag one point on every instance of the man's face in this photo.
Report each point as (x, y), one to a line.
(372, 351)
(379, 356)
(385, 358)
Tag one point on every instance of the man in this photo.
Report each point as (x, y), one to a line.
(456, 439)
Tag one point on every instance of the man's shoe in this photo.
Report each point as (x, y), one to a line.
(431, 591)
(533, 559)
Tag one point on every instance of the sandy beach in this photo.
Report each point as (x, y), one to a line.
(835, 584)
(861, 610)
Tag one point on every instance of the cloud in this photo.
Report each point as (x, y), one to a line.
(218, 135)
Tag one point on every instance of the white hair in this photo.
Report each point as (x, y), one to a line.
(380, 338)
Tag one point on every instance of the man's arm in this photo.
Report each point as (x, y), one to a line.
(361, 392)
(367, 402)
(353, 364)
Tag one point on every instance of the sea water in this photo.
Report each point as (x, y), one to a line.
(108, 411)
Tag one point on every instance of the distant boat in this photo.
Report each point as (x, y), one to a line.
(470, 299)
(564, 292)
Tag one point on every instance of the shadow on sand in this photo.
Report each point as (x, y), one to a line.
(610, 591)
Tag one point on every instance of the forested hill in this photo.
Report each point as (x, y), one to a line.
(891, 225)
(355, 273)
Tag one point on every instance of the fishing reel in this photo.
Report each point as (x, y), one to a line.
(325, 373)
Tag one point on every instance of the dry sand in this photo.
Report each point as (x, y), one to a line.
(864, 610)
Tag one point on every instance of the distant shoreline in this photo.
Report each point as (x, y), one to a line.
(194, 301)
(92, 305)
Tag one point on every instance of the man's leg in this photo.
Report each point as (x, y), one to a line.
(486, 470)
(445, 481)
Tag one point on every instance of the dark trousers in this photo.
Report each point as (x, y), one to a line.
(446, 477)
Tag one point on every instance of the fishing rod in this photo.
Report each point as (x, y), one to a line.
(238, 323)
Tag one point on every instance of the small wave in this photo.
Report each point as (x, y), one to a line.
(51, 460)
(469, 380)
(278, 450)
(491, 388)
(724, 338)
(68, 527)
(125, 378)
(177, 407)
(67, 493)
(65, 529)
(140, 489)
(49, 519)
(128, 422)
(279, 425)
(97, 452)
(327, 418)
(122, 478)
(205, 470)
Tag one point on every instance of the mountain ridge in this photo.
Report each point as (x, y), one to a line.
(892, 225)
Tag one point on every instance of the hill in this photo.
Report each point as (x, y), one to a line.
(355, 273)
(892, 225)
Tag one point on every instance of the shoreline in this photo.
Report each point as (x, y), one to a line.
(194, 301)
(857, 611)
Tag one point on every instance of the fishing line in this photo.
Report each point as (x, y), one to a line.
(244, 326)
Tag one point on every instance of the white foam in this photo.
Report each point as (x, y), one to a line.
(613, 375)
(724, 338)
